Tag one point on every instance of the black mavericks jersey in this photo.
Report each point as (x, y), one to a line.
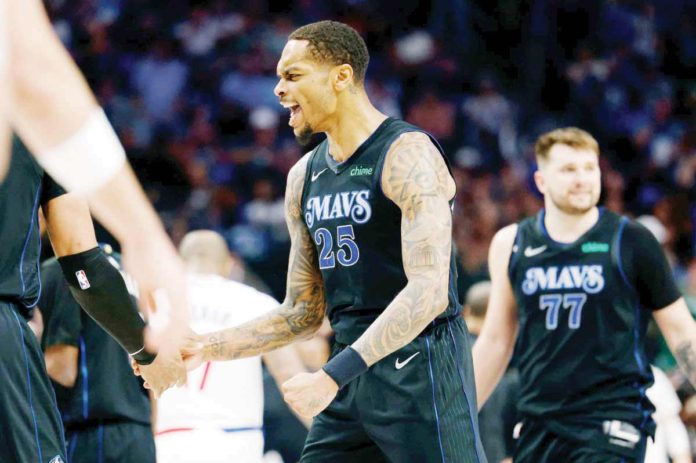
(105, 389)
(24, 189)
(357, 233)
(583, 311)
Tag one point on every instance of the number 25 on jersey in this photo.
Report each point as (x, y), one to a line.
(347, 253)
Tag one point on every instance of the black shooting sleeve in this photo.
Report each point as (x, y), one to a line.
(101, 291)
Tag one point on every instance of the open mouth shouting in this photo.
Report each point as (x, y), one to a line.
(295, 113)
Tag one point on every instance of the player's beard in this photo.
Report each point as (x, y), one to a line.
(566, 206)
(305, 135)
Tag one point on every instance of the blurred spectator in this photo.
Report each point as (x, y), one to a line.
(645, 39)
(159, 78)
(385, 96)
(267, 210)
(491, 129)
(435, 115)
(247, 86)
(201, 33)
(498, 416)
(415, 48)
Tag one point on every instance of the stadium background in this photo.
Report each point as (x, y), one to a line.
(189, 88)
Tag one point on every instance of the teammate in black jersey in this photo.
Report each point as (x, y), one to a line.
(30, 426)
(105, 411)
(369, 214)
(577, 285)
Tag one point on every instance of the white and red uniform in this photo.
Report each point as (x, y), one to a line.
(218, 415)
(671, 436)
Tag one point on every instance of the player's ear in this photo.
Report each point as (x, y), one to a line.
(342, 77)
(540, 181)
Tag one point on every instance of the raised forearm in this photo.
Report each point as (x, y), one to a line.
(276, 329)
(408, 314)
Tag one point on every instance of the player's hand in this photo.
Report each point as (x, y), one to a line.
(308, 394)
(192, 350)
(167, 370)
(161, 279)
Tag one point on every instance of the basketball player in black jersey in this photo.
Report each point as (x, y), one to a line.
(30, 425)
(576, 285)
(369, 214)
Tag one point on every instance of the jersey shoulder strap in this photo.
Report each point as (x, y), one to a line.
(313, 158)
(525, 228)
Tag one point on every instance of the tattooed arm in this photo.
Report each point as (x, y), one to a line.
(416, 178)
(679, 329)
(302, 311)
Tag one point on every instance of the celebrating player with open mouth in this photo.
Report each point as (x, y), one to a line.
(370, 219)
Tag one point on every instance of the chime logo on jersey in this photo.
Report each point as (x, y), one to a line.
(360, 170)
(589, 278)
(352, 204)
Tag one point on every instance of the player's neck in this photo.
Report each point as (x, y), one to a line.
(567, 228)
(352, 125)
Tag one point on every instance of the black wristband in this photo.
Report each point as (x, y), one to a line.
(345, 367)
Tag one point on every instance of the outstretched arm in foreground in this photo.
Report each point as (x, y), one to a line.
(49, 104)
(106, 298)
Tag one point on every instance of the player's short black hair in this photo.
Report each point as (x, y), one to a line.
(336, 43)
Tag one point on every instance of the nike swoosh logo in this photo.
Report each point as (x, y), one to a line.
(315, 175)
(399, 365)
(531, 252)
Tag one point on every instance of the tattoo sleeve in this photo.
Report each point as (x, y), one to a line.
(302, 311)
(685, 353)
(416, 178)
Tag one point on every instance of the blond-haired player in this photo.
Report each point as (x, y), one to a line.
(576, 286)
